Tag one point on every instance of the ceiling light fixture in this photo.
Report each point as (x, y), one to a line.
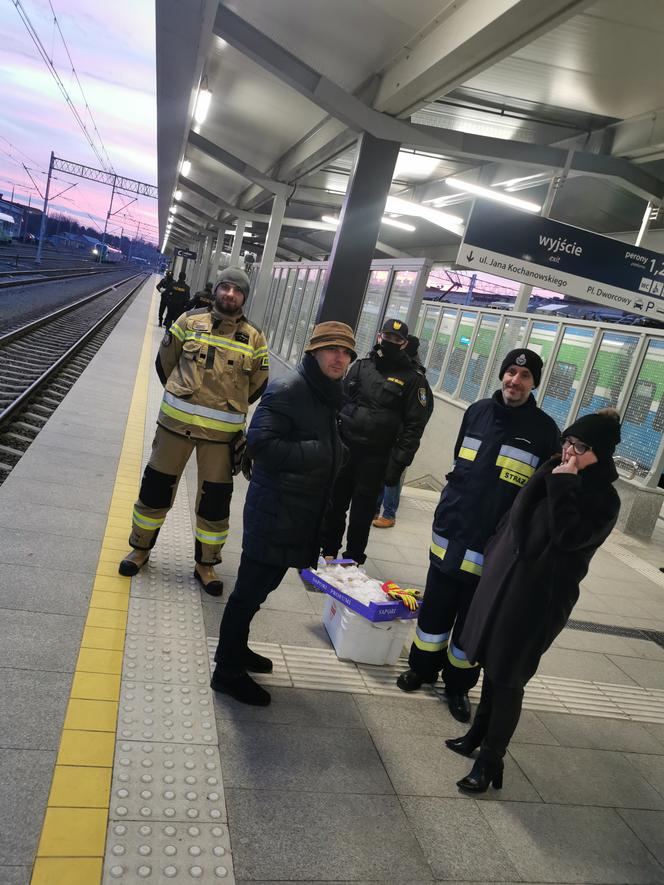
(510, 182)
(185, 169)
(178, 195)
(392, 222)
(490, 194)
(203, 101)
(445, 220)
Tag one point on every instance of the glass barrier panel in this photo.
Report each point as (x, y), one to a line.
(303, 319)
(439, 350)
(293, 312)
(609, 372)
(276, 273)
(367, 326)
(285, 306)
(316, 305)
(464, 336)
(511, 337)
(479, 358)
(427, 329)
(278, 306)
(643, 421)
(542, 336)
(401, 295)
(566, 373)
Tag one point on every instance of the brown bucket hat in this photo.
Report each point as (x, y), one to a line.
(332, 334)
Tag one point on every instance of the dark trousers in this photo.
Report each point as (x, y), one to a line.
(357, 484)
(439, 624)
(255, 581)
(162, 308)
(497, 716)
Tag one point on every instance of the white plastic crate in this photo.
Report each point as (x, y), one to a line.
(365, 642)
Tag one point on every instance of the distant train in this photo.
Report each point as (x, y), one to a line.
(109, 254)
(7, 223)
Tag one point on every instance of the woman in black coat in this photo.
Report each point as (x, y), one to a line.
(530, 583)
(297, 452)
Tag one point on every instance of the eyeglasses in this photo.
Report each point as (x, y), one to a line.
(578, 447)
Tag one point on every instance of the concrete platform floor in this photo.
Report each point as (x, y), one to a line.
(158, 779)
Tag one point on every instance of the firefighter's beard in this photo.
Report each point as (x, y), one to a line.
(227, 305)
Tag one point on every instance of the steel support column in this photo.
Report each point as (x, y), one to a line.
(263, 281)
(237, 242)
(357, 233)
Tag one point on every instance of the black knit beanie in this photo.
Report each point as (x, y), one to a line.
(600, 431)
(523, 357)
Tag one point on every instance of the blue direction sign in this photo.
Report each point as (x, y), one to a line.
(541, 252)
(185, 253)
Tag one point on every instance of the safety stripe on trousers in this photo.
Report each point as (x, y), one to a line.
(458, 658)
(430, 641)
(146, 522)
(211, 537)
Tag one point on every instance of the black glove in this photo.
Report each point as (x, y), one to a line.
(238, 450)
(246, 465)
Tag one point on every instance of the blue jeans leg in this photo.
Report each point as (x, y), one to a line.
(391, 501)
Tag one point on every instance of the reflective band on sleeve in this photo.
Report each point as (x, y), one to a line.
(260, 351)
(201, 416)
(438, 545)
(519, 455)
(211, 537)
(457, 658)
(177, 332)
(469, 448)
(146, 522)
(430, 641)
(472, 562)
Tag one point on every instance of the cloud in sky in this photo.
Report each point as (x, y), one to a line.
(112, 47)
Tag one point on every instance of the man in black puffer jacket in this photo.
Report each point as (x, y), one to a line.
(382, 424)
(296, 451)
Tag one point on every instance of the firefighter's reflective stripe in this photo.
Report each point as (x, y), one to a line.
(439, 545)
(472, 562)
(211, 537)
(457, 658)
(146, 522)
(517, 465)
(430, 641)
(216, 341)
(469, 448)
(201, 416)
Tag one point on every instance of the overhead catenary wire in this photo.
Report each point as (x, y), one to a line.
(25, 18)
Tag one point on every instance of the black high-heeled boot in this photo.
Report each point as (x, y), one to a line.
(466, 745)
(488, 769)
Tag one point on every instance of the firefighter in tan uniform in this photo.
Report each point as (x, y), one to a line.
(213, 364)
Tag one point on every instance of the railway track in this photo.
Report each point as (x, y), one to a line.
(10, 279)
(40, 362)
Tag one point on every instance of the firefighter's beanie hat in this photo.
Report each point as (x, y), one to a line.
(236, 277)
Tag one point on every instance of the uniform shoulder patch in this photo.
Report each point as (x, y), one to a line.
(166, 340)
(422, 395)
(242, 337)
(265, 362)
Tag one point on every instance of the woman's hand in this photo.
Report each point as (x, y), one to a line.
(569, 466)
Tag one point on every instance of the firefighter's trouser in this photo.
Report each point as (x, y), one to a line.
(439, 624)
(170, 453)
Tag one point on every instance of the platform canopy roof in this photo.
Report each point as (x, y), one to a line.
(504, 94)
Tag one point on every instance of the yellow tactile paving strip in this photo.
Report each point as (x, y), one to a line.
(71, 847)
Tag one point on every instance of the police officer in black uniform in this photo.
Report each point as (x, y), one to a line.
(164, 286)
(381, 424)
(202, 298)
(501, 442)
(177, 299)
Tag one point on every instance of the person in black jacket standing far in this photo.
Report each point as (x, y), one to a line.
(177, 298)
(296, 451)
(534, 565)
(381, 424)
(501, 442)
(164, 286)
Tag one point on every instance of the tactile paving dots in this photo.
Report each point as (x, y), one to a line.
(165, 659)
(158, 852)
(166, 782)
(156, 711)
(156, 617)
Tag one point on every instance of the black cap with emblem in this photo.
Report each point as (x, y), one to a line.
(523, 357)
(396, 327)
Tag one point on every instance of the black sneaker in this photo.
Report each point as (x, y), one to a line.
(256, 663)
(241, 687)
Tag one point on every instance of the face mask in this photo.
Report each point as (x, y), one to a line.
(389, 348)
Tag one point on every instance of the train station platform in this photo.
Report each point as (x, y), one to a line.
(119, 764)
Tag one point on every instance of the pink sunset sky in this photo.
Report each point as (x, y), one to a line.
(112, 47)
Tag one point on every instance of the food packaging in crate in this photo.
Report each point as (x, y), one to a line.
(346, 582)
